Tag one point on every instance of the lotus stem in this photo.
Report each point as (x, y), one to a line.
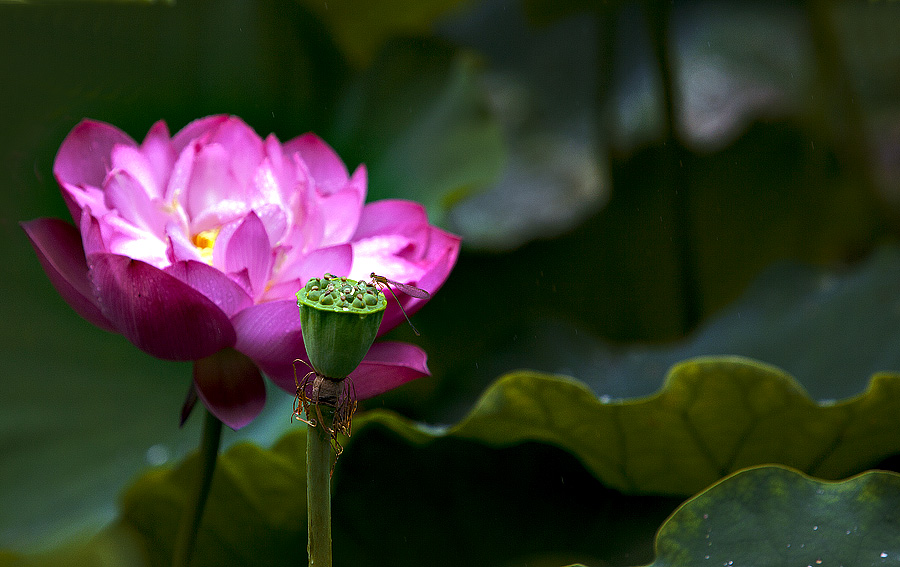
(318, 487)
(659, 21)
(190, 520)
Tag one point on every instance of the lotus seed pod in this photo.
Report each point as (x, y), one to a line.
(339, 318)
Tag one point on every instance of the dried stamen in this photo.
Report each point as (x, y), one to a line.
(314, 391)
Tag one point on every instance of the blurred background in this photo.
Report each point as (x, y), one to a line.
(621, 174)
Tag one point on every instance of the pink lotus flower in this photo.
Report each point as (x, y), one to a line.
(193, 247)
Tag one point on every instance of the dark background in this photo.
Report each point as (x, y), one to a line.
(620, 173)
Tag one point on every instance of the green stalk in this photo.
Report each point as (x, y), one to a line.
(339, 318)
(318, 488)
(843, 115)
(659, 21)
(190, 520)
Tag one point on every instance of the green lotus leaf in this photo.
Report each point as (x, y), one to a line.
(599, 476)
(419, 121)
(545, 12)
(713, 416)
(773, 516)
(544, 93)
(116, 546)
(395, 502)
(84, 411)
(831, 330)
(258, 502)
(361, 26)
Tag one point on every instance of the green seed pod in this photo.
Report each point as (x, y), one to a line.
(337, 333)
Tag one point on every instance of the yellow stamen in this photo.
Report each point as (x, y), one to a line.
(205, 241)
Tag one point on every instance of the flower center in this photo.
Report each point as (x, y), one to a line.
(204, 241)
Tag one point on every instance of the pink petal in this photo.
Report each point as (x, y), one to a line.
(122, 237)
(308, 227)
(179, 246)
(85, 156)
(387, 255)
(227, 295)
(324, 165)
(334, 259)
(58, 247)
(390, 255)
(296, 270)
(387, 366)
(133, 160)
(275, 221)
(211, 183)
(197, 129)
(180, 176)
(230, 386)
(160, 314)
(157, 148)
(281, 290)
(129, 197)
(392, 216)
(242, 279)
(393, 315)
(440, 257)
(218, 214)
(359, 182)
(91, 235)
(274, 153)
(268, 185)
(285, 177)
(238, 140)
(340, 213)
(248, 248)
(78, 198)
(242, 144)
(269, 333)
(443, 250)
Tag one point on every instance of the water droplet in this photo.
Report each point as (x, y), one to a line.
(157, 455)
(826, 281)
(815, 528)
(605, 399)
(706, 557)
(884, 553)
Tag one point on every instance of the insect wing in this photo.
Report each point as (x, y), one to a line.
(410, 290)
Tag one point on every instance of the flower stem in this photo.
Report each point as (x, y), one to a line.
(190, 520)
(843, 115)
(318, 489)
(659, 21)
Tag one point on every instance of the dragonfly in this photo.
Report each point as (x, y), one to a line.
(409, 290)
